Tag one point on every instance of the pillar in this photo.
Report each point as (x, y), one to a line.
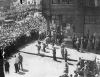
(48, 26)
(60, 22)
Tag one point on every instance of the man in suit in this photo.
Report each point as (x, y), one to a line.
(20, 61)
(16, 64)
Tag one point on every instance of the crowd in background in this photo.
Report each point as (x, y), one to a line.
(16, 34)
(89, 42)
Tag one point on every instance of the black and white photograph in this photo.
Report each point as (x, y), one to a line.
(49, 38)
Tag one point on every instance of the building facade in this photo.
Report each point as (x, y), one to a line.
(72, 16)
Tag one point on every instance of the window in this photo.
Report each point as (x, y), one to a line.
(86, 19)
(55, 1)
(86, 3)
(92, 20)
(55, 17)
(98, 19)
(64, 18)
(62, 1)
(69, 18)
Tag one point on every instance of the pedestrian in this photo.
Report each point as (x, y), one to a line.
(66, 69)
(86, 71)
(53, 40)
(47, 39)
(66, 54)
(38, 47)
(77, 44)
(89, 45)
(73, 41)
(20, 61)
(71, 75)
(63, 45)
(62, 52)
(54, 53)
(93, 42)
(44, 47)
(81, 46)
(7, 65)
(16, 64)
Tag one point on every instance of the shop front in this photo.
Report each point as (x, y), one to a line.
(63, 24)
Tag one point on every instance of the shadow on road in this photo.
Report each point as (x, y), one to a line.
(58, 61)
(72, 60)
(47, 52)
(42, 55)
(70, 64)
(25, 70)
(21, 73)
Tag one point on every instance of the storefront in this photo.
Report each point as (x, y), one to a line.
(63, 23)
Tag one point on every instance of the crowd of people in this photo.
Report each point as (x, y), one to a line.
(16, 34)
(89, 42)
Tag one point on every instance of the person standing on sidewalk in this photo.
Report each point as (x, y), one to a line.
(38, 46)
(20, 61)
(54, 53)
(44, 47)
(62, 52)
(81, 46)
(66, 54)
(7, 65)
(77, 44)
(16, 64)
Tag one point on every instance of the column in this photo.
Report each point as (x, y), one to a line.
(48, 26)
(60, 22)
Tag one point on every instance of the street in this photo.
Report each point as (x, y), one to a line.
(43, 65)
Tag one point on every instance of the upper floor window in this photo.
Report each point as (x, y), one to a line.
(86, 3)
(62, 1)
(92, 19)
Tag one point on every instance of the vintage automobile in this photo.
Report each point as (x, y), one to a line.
(98, 65)
(86, 68)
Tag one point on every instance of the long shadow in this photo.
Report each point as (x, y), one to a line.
(43, 55)
(58, 61)
(25, 70)
(21, 73)
(69, 59)
(47, 52)
(71, 64)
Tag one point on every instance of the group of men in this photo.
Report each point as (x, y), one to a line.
(18, 63)
(89, 42)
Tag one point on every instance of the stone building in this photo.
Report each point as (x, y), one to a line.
(72, 16)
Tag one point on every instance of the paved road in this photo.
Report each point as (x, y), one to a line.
(43, 65)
